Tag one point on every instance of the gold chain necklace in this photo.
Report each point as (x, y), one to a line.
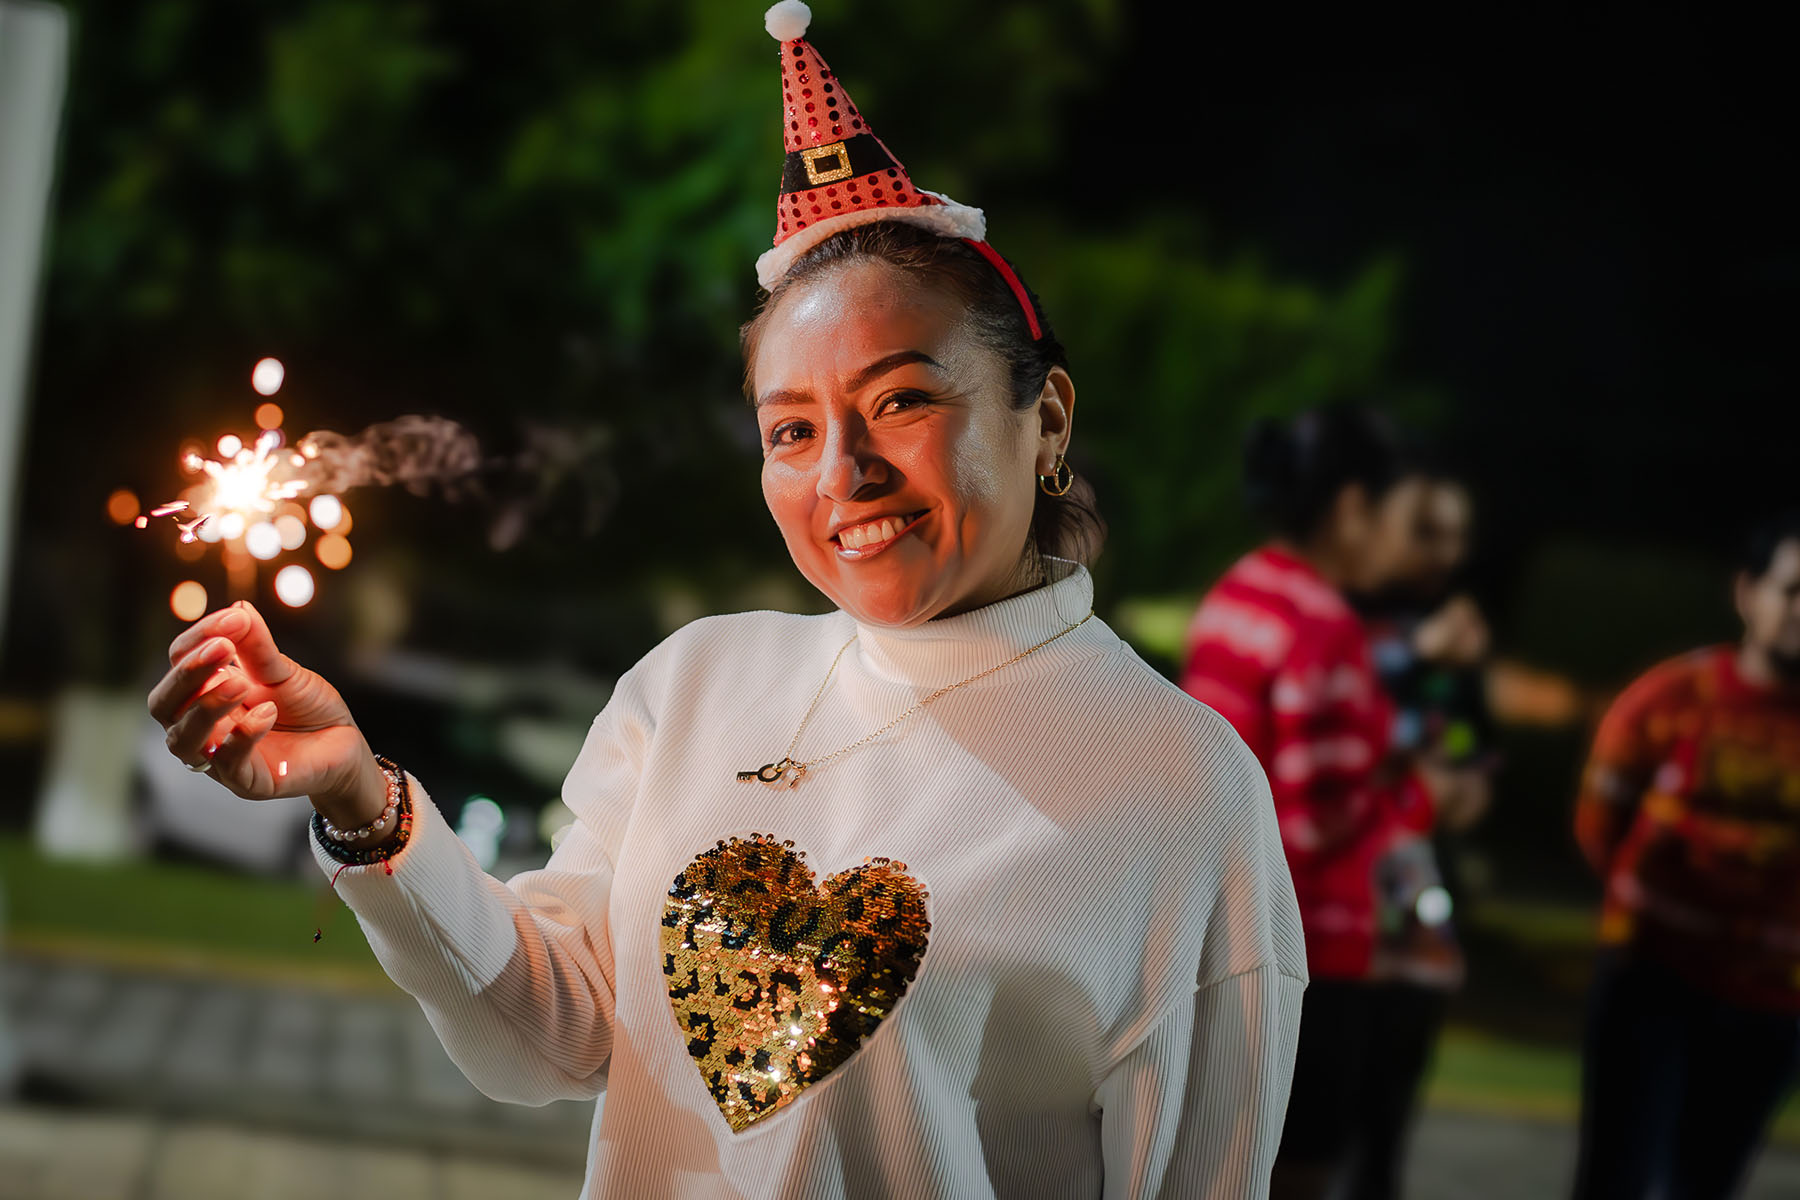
(786, 772)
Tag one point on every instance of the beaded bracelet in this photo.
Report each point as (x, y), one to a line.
(399, 808)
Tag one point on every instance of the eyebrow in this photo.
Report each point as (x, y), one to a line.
(860, 380)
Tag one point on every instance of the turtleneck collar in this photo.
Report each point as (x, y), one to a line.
(949, 649)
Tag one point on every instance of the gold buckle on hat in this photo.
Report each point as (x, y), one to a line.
(810, 160)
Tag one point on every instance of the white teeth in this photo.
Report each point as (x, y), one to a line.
(883, 530)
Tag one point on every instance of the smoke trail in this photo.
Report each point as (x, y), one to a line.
(417, 452)
(425, 454)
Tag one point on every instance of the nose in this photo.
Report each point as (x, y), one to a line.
(848, 461)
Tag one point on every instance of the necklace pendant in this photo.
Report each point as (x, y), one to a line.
(782, 775)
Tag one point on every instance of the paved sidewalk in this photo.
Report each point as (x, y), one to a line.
(52, 1154)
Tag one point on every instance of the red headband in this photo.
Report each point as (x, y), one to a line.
(1012, 281)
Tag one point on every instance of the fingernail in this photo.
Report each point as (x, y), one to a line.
(265, 709)
(233, 622)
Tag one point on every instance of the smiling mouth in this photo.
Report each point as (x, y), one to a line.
(872, 537)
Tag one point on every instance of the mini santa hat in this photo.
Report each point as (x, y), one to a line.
(838, 174)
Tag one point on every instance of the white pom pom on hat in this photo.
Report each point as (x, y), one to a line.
(787, 20)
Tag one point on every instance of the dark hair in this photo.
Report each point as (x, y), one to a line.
(1294, 470)
(1758, 552)
(1066, 526)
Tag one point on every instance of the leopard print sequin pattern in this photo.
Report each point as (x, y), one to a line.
(774, 982)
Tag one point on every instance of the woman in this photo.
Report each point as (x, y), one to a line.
(944, 893)
(1278, 651)
(1428, 644)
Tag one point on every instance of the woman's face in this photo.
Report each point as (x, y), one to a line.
(899, 473)
(1384, 536)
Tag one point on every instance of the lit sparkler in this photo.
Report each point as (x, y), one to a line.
(246, 501)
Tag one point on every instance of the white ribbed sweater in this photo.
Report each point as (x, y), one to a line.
(1110, 997)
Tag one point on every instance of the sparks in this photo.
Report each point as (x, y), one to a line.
(242, 496)
(191, 529)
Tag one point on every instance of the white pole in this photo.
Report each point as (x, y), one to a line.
(34, 49)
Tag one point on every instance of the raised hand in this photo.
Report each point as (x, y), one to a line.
(260, 723)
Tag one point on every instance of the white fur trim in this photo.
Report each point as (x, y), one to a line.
(948, 219)
(787, 20)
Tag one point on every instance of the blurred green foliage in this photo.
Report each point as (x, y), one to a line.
(550, 212)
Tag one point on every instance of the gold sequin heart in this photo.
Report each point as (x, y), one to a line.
(775, 982)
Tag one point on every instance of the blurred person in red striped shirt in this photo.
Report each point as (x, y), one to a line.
(1277, 649)
(1690, 812)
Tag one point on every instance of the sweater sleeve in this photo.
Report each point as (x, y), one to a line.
(1196, 1109)
(517, 978)
(1620, 768)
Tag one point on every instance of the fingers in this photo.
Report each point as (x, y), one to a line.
(230, 623)
(191, 732)
(185, 679)
(236, 764)
(253, 644)
(256, 648)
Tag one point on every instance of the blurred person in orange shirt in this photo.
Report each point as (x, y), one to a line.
(1690, 812)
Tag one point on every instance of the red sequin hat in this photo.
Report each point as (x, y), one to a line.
(838, 173)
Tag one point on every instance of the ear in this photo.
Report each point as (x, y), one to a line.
(1055, 413)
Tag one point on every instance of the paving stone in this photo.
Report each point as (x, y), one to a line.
(468, 1180)
(16, 985)
(131, 1028)
(286, 1041)
(73, 989)
(211, 1162)
(208, 1043)
(432, 1079)
(72, 1156)
(362, 1052)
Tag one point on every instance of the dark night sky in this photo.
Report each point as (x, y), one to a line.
(1591, 211)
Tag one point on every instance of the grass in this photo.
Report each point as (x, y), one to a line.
(185, 918)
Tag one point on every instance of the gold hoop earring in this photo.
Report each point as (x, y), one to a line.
(1063, 479)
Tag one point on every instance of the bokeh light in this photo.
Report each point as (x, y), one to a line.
(122, 506)
(1433, 905)
(294, 585)
(229, 445)
(188, 601)
(262, 540)
(291, 530)
(231, 525)
(269, 416)
(334, 551)
(326, 511)
(266, 376)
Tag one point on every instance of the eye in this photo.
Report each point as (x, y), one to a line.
(779, 436)
(903, 401)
